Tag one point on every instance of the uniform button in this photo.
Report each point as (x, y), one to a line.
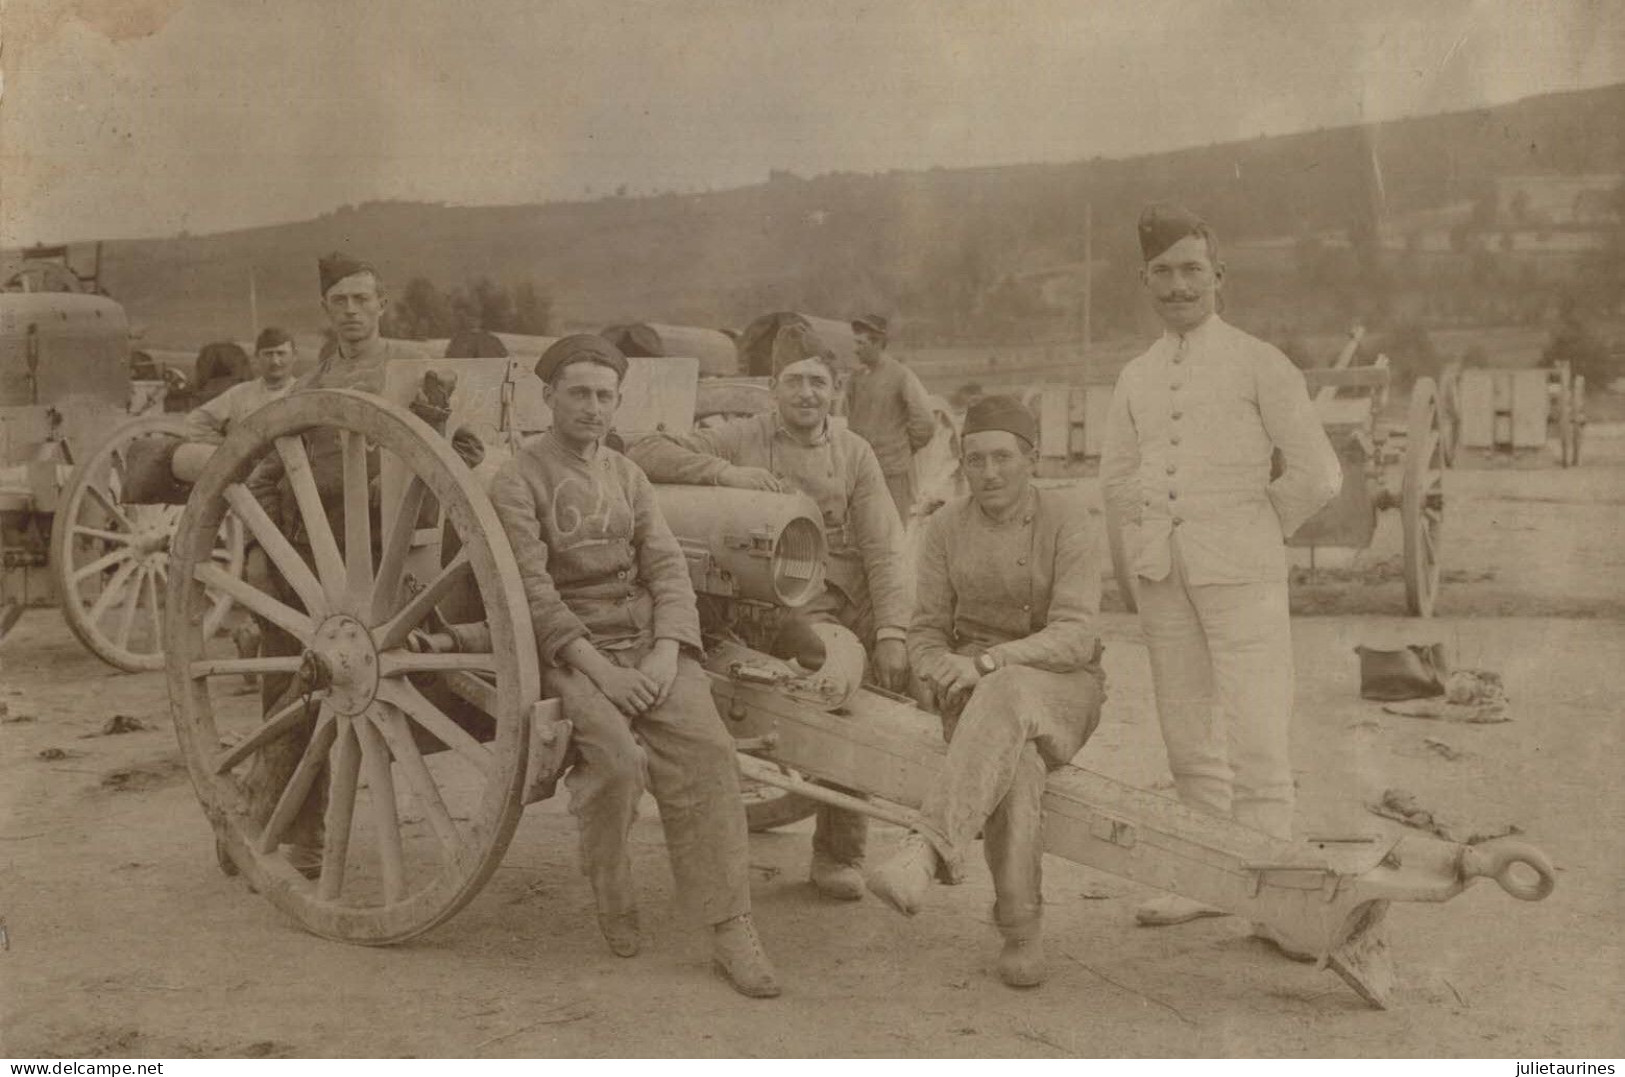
(1027, 519)
(1171, 468)
(1021, 560)
(1178, 414)
(1178, 520)
(1173, 439)
(1173, 495)
(621, 575)
(1026, 609)
(1176, 386)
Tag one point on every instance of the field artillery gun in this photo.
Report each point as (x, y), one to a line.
(419, 732)
(73, 531)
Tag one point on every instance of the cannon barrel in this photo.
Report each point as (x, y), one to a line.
(748, 544)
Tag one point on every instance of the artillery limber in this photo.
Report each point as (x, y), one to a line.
(418, 732)
(1514, 413)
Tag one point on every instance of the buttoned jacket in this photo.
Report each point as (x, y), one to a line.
(1193, 424)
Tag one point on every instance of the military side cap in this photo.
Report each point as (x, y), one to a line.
(271, 337)
(873, 323)
(336, 266)
(1162, 224)
(1001, 413)
(580, 348)
(795, 343)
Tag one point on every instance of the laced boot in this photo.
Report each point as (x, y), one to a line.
(843, 882)
(737, 956)
(901, 882)
(621, 932)
(1021, 961)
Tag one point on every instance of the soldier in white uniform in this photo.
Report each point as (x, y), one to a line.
(1187, 471)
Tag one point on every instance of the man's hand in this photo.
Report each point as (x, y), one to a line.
(631, 690)
(953, 674)
(891, 665)
(750, 478)
(660, 666)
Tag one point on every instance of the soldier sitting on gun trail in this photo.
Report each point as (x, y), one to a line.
(618, 632)
(1005, 634)
(795, 448)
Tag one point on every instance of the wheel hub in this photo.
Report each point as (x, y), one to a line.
(344, 651)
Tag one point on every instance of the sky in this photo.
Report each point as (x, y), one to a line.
(126, 118)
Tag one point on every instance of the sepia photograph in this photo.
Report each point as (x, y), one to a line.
(865, 529)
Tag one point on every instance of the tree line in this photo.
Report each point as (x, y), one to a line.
(424, 311)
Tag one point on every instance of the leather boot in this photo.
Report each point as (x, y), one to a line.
(901, 882)
(737, 956)
(621, 932)
(843, 882)
(1021, 961)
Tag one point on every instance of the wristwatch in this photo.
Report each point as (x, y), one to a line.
(985, 664)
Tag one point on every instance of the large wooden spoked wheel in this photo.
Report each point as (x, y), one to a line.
(110, 555)
(1421, 500)
(412, 793)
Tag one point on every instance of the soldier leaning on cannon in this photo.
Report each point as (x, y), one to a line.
(794, 447)
(1006, 636)
(353, 301)
(274, 353)
(1186, 468)
(618, 631)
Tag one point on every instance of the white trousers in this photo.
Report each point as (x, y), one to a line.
(1221, 664)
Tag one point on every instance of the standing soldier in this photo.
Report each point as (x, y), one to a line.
(353, 301)
(794, 447)
(618, 632)
(887, 406)
(1186, 471)
(1006, 636)
(274, 353)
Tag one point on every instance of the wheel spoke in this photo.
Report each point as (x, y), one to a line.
(277, 547)
(419, 606)
(357, 518)
(401, 663)
(381, 783)
(278, 725)
(386, 587)
(343, 768)
(323, 547)
(106, 561)
(411, 702)
(110, 592)
(131, 604)
(228, 667)
(297, 791)
(110, 505)
(105, 536)
(253, 599)
(154, 618)
(398, 734)
(217, 614)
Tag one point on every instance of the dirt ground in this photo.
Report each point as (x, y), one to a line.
(126, 940)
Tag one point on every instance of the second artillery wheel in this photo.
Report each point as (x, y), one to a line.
(110, 552)
(396, 773)
(1421, 499)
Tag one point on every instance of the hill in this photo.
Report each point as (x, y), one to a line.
(960, 255)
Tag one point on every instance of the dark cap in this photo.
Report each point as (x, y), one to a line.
(271, 337)
(1162, 224)
(873, 323)
(1001, 413)
(797, 342)
(336, 266)
(580, 348)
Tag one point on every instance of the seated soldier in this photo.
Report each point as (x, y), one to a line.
(791, 448)
(1005, 638)
(618, 632)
